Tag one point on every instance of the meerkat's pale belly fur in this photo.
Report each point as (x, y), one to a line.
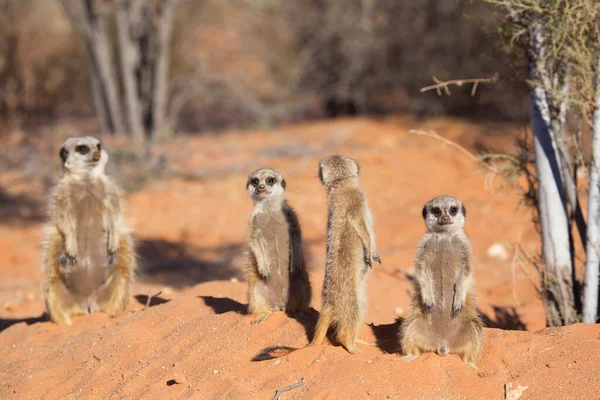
(91, 270)
(274, 228)
(445, 272)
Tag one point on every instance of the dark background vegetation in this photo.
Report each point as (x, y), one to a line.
(262, 62)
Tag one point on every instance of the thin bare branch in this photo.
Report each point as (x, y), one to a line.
(439, 84)
(472, 156)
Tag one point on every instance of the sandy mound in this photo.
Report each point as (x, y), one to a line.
(195, 340)
(207, 343)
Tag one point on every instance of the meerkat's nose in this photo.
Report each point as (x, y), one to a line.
(97, 156)
(445, 220)
(261, 188)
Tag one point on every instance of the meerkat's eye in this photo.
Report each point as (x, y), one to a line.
(271, 181)
(99, 147)
(82, 149)
(453, 210)
(436, 211)
(254, 181)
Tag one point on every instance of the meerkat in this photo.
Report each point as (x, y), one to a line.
(277, 276)
(350, 251)
(89, 260)
(444, 317)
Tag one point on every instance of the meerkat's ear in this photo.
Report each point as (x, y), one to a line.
(357, 168)
(283, 183)
(464, 211)
(321, 174)
(424, 212)
(64, 153)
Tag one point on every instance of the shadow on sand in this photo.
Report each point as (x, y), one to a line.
(179, 264)
(222, 305)
(20, 210)
(308, 322)
(6, 323)
(505, 318)
(154, 300)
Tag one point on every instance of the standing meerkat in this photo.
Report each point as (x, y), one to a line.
(444, 316)
(89, 259)
(277, 277)
(350, 249)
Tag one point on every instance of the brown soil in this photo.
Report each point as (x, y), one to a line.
(195, 341)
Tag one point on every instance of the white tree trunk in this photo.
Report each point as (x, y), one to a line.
(129, 52)
(101, 54)
(590, 280)
(86, 17)
(161, 79)
(547, 120)
(554, 223)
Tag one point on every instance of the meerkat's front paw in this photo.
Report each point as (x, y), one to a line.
(110, 257)
(428, 303)
(457, 308)
(409, 357)
(68, 260)
(428, 307)
(264, 274)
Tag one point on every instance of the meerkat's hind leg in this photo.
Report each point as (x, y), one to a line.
(347, 326)
(57, 303)
(257, 304)
(359, 340)
(262, 317)
(469, 343)
(349, 344)
(116, 295)
(412, 342)
(410, 349)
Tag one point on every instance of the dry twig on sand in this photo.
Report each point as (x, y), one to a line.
(439, 84)
(150, 296)
(285, 389)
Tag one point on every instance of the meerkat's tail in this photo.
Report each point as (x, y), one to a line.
(443, 348)
(322, 328)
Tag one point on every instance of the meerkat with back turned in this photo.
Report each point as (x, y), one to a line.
(89, 260)
(350, 249)
(277, 276)
(444, 317)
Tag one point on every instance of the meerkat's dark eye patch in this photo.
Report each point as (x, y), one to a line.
(436, 211)
(99, 147)
(453, 210)
(82, 149)
(271, 181)
(254, 181)
(64, 153)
